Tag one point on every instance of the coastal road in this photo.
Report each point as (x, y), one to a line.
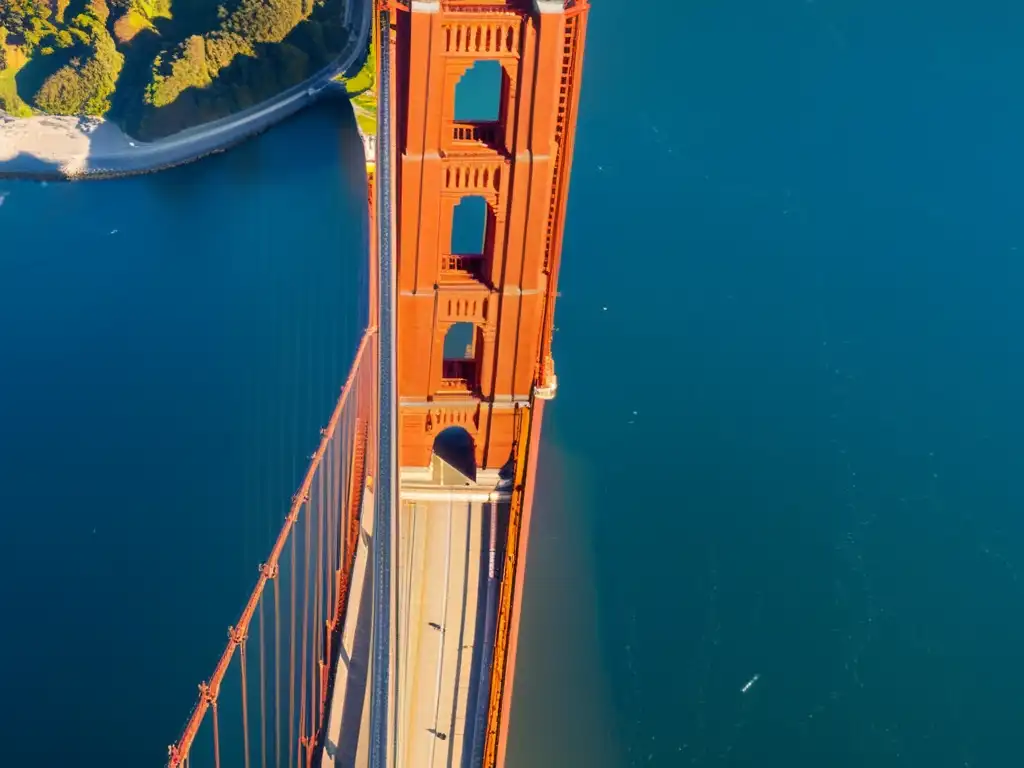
(122, 156)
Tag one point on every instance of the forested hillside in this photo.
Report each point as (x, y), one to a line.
(158, 66)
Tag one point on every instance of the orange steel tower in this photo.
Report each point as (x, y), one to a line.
(519, 164)
(504, 294)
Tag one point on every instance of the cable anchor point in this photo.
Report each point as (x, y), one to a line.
(207, 694)
(270, 571)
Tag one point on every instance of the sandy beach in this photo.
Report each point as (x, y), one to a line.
(64, 144)
(76, 147)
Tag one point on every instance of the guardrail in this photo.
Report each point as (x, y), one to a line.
(386, 388)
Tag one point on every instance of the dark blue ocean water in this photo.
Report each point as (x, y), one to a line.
(161, 389)
(786, 440)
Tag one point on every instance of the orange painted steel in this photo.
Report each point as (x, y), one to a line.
(511, 645)
(372, 203)
(565, 138)
(504, 624)
(519, 165)
(209, 691)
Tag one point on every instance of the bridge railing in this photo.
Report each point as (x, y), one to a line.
(507, 596)
(296, 610)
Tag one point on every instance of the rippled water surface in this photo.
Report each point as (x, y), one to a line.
(785, 444)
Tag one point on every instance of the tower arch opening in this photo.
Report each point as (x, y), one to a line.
(461, 352)
(457, 448)
(478, 93)
(471, 228)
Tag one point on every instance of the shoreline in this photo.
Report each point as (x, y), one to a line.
(48, 145)
(60, 148)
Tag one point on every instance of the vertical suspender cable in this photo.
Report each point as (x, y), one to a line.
(329, 585)
(314, 630)
(291, 666)
(263, 690)
(216, 736)
(319, 613)
(245, 703)
(277, 673)
(305, 626)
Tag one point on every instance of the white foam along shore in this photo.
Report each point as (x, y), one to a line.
(57, 145)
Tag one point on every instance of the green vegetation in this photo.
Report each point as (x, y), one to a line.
(159, 66)
(361, 89)
(11, 61)
(85, 84)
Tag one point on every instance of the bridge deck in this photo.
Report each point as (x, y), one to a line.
(440, 550)
(440, 561)
(443, 541)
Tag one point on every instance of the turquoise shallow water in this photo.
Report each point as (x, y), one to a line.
(786, 440)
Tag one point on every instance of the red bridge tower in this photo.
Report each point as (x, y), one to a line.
(501, 297)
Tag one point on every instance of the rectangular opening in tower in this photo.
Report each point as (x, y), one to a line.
(467, 253)
(478, 93)
(460, 358)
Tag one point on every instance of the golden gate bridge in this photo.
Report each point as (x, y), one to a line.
(321, 666)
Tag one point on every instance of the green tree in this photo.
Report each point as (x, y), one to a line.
(186, 68)
(264, 22)
(17, 15)
(84, 85)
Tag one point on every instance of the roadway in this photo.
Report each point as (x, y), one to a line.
(445, 529)
(442, 539)
(135, 157)
(440, 559)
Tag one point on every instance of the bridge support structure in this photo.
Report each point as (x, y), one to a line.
(517, 162)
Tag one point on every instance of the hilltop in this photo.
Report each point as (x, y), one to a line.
(155, 67)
